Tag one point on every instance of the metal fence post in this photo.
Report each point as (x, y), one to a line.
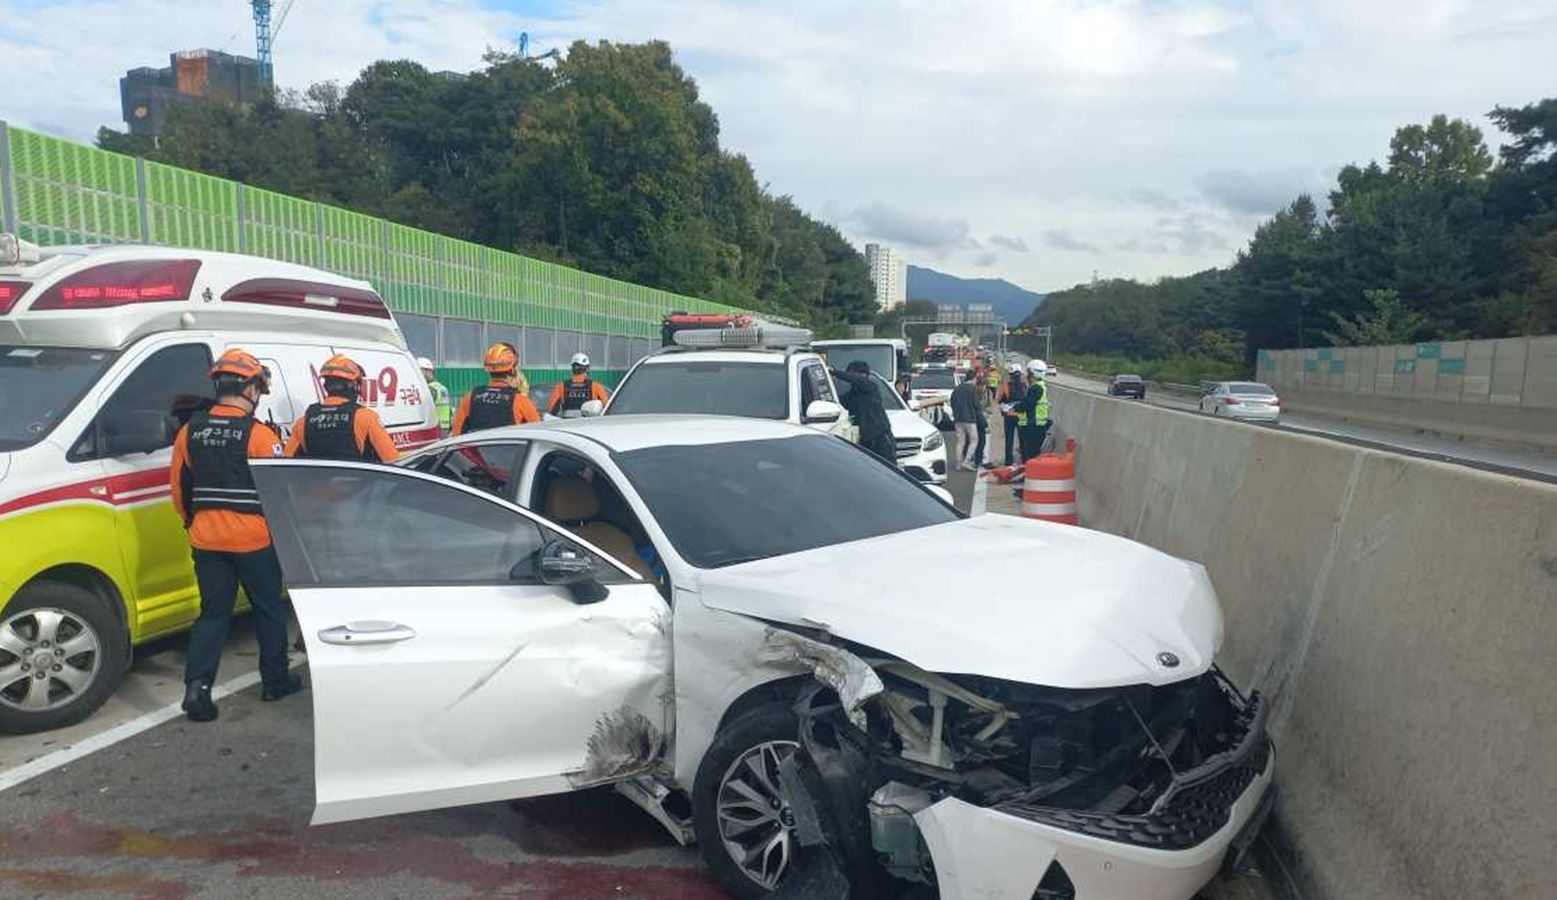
(141, 200)
(7, 186)
(319, 233)
(243, 221)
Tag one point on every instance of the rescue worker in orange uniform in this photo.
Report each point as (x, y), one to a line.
(213, 492)
(568, 397)
(338, 427)
(501, 402)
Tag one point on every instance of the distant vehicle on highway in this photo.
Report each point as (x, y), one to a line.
(1127, 386)
(1242, 400)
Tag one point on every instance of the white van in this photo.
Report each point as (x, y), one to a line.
(98, 345)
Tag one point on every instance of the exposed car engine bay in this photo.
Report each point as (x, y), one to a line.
(1153, 766)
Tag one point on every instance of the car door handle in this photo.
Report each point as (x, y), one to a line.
(367, 633)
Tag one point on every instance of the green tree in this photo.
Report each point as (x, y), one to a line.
(1386, 322)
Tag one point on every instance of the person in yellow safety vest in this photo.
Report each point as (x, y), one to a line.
(440, 394)
(992, 380)
(1032, 411)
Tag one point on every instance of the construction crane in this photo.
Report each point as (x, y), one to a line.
(262, 41)
(265, 37)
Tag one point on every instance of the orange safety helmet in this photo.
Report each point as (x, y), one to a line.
(343, 367)
(501, 359)
(240, 364)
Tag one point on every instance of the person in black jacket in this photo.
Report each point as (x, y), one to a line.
(864, 404)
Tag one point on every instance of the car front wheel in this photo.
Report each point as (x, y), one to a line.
(745, 830)
(61, 655)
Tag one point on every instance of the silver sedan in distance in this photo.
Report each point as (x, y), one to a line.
(1247, 400)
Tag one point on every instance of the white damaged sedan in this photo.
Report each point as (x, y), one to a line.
(727, 619)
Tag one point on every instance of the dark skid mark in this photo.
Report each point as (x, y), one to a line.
(337, 853)
(625, 742)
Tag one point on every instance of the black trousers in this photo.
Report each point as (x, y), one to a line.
(1010, 438)
(219, 573)
(983, 426)
(1032, 439)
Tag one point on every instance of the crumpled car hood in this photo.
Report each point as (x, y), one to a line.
(998, 596)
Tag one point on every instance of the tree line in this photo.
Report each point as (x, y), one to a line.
(1440, 241)
(607, 160)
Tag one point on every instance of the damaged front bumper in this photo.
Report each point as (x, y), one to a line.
(1168, 853)
(996, 854)
(993, 789)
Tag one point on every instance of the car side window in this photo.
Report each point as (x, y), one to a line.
(423, 532)
(150, 403)
(489, 467)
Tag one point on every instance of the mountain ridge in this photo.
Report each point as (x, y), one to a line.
(1010, 302)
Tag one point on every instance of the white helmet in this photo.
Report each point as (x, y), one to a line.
(1014, 368)
(581, 359)
(1038, 367)
(424, 363)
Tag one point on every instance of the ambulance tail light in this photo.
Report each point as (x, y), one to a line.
(122, 284)
(10, 292)
(308, 295)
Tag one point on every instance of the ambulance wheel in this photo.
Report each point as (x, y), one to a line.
(61, 655)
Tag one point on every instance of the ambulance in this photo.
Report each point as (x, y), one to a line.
(101, 349)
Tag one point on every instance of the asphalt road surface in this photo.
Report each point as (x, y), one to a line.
(1520, 463)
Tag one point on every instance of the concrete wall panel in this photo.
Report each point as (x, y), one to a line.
(1508, 370)
(1400, 614)
(1540, 389)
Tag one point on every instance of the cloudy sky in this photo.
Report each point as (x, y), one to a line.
(1037, 140)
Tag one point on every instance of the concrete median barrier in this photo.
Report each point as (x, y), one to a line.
(1400, 613)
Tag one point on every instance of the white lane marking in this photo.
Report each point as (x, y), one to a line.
(980, 492)
(67, 755)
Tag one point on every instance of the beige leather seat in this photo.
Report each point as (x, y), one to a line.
(572, 501)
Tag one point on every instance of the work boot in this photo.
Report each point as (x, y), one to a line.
(198, 705)
(287, 688)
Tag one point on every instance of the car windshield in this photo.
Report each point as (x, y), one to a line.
(933, 381)
(722, 504)
(1250, 389)
(1127, 378)
(39, 385)
(889, 397)
(880, 357)
(751, 390)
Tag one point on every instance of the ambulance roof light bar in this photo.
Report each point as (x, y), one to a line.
(761, 335)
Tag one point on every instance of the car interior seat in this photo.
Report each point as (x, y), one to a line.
(572, 501)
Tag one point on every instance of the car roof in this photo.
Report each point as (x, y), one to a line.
(741, 354)
(621, 433)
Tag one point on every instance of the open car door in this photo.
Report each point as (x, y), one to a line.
(461, 649)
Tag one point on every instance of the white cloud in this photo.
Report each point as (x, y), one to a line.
(1152, 131)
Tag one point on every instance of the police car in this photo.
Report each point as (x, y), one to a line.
(101, 349)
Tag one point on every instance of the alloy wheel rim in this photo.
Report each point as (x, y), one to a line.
(756, 825)
(48, 658)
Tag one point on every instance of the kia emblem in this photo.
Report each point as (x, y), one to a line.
(1168, 660)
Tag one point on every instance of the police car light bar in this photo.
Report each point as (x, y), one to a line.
(758, 335)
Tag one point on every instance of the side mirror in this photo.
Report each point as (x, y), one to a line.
(822, 411)
(592, 408)
(565, 563)
(126, 431)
